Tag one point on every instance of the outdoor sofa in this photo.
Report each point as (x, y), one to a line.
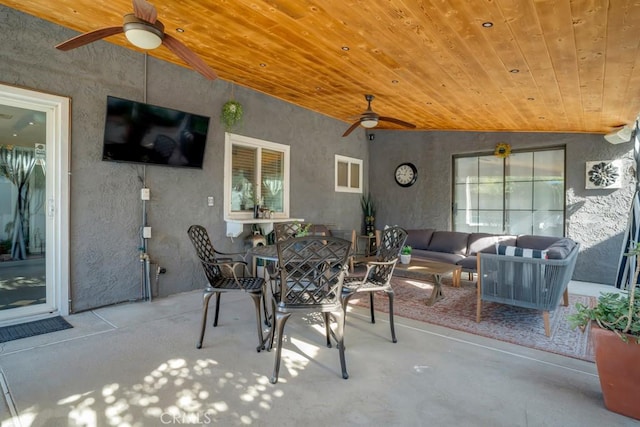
(525, 271)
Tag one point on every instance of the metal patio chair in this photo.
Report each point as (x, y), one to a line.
(311, 270)
(224, 274)
(378, 275)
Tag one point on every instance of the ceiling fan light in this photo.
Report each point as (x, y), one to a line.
(369, 123)
(143, 38)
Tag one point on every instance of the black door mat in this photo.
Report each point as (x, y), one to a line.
(30, 329)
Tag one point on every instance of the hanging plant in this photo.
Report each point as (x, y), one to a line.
(502, 150)
(231, 114)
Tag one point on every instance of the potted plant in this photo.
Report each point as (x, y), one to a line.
(231, 114)
(369, 212)
(615, 333)
(405, 254)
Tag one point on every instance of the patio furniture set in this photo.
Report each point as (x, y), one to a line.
(309, 273)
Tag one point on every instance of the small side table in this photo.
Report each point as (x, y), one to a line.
(370, 245)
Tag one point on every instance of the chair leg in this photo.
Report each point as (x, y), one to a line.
(205, 307)
(339, 335)
(565, 297)
(373, 316)
(256, 302)
(271, 330)
(393, 328)
(327, 326)
(547, 327)
(215, 316)
(267, 322)
(478, 295)
(279, 322)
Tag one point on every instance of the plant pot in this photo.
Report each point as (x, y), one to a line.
(405, 259)
(619, 371)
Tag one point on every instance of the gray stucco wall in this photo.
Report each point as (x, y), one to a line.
(595, 218)
(106, 211)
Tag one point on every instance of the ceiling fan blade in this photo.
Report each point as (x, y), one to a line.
(144, 10)
(89, 37)
(189, 57)
(351, 128)
(398, 122)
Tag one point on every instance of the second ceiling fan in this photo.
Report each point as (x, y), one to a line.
(369, 119)
(143, 30)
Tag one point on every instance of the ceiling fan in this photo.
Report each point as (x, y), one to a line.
(369, 119)
(143, 30)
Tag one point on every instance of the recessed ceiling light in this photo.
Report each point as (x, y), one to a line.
(15, 134)
(180, 30)
(345, 48)
(487, 24)
(514, 71)
(263, 64)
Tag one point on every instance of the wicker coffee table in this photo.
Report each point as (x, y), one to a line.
(419, 269)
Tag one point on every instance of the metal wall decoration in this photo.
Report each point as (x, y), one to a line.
(603, 174)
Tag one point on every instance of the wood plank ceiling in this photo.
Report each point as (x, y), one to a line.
(543, 65)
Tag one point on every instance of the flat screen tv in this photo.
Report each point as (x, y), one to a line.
(136, 132)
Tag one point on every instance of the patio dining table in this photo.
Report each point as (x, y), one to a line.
(268, 253)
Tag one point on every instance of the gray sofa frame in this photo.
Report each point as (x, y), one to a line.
(525, 282)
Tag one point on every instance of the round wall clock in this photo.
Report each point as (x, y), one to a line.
(406, 174)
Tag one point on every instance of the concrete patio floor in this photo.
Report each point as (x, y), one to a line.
(136, 365)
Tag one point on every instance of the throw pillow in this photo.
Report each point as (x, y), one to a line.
(521, 252)
(561, 248)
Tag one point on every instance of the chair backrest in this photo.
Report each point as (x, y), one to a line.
(286, 230)
(312, 270)
(392, 241)
(206, 253)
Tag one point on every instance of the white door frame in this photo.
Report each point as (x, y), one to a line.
(58, 113)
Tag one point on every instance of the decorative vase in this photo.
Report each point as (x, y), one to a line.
(618, 369)
(405, 259)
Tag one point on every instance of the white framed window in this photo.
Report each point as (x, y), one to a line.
(348, 174)
(256, 172)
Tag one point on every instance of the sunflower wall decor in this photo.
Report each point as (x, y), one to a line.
(603, 174)
(503, 150)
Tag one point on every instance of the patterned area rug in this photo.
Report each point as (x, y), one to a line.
(457, 310)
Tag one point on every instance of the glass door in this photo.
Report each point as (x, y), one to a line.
(33, 276)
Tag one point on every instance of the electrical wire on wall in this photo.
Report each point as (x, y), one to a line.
(145, 280)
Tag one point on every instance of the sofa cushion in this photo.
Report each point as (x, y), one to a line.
(453, 242)
(521, 252)
(436, 256)
(535, 242)
(470, 263)
(485, 242)
(419, 239)
(561, 248)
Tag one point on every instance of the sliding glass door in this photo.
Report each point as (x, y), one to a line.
(523, 193)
